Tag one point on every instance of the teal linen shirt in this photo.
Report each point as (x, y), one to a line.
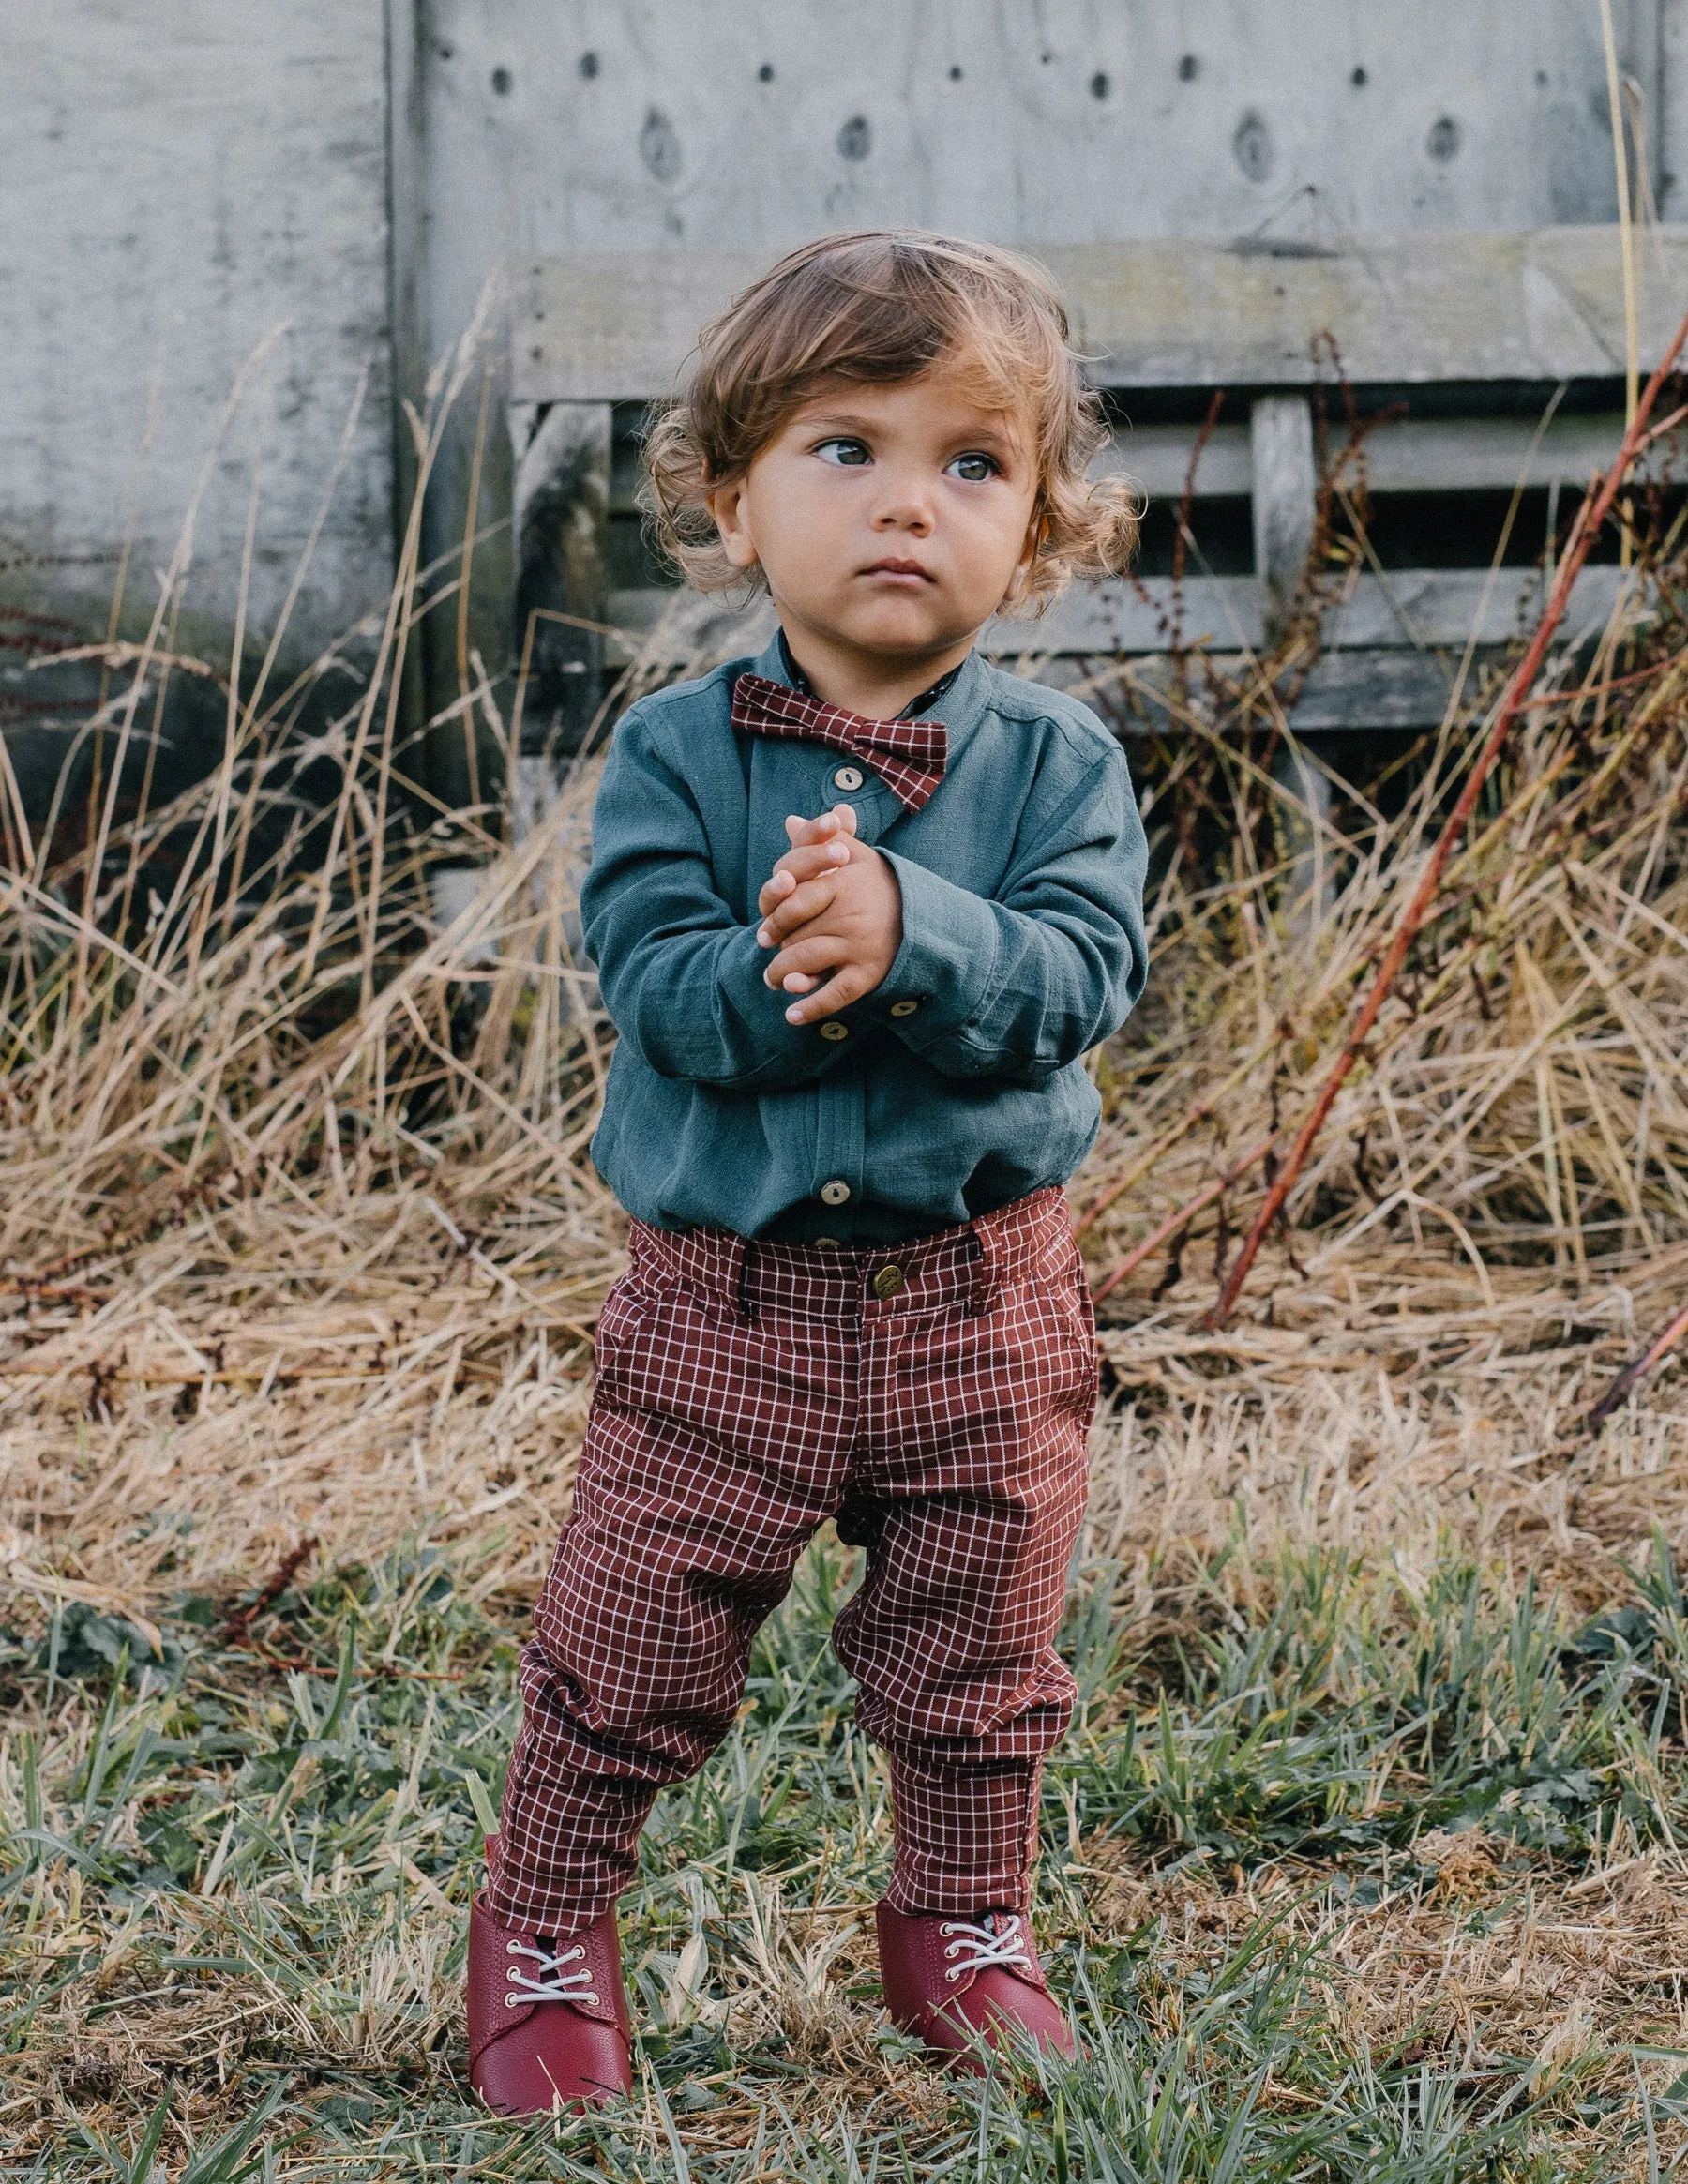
(956, 1085)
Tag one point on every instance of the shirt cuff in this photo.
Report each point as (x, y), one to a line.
(780, 1046)
(941, 975)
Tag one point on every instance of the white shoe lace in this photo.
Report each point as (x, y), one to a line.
(555, 1984)
(992, 1940)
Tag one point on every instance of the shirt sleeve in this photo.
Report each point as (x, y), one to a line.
(1020, 986)
(680, 977)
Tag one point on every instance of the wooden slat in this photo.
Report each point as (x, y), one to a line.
(1373, 691)
(1157, 457)
(1405, 611)
(1410, 610)
(1412, 455)
(1368, 691)
(1537, 305)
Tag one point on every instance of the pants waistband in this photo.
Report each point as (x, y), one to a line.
(967, 1265)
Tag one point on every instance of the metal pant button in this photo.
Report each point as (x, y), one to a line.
(888, 1280)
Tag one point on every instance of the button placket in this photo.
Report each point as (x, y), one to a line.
(837, 1146)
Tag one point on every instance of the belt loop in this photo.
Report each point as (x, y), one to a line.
(738, 1272)
(987, 1280)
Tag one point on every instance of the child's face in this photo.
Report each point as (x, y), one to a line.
(890, 521)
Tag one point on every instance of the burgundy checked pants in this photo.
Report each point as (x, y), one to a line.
(937, 1395)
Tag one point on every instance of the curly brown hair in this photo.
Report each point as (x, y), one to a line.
(883, 307)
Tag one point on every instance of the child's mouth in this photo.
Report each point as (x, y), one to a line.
(907, 572)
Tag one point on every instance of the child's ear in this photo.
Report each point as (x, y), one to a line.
(1036, 532)
(726, 504)
(1018, 581)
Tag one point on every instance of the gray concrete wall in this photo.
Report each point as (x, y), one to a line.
(610, 125)
(179, 179)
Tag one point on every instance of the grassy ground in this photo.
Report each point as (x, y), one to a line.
(1374, 1884)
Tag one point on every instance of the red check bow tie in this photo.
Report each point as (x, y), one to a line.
(908, 756)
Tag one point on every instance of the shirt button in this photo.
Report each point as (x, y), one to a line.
(828, 1244)
(904, 1008)
(835, 1030)
(848, 777)
(836, 1192)
(887, 1281)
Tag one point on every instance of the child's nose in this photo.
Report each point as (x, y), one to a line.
(906, 513)
(907, 505)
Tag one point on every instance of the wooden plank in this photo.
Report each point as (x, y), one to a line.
(1406, 611)
(1286, 503)
(1373, 691)
(1457, 454)
(1157, 457)
(1149, 616)
(1537, 305)
(683, 628)
(1409, 609)
(1385, 691)
(1409, 455)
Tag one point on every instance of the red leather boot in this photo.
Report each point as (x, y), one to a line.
(949, 1981)
(547, 2019)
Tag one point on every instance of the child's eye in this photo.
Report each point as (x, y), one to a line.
(848, 454)
(973, 467)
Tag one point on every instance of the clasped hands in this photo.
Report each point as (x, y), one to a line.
(833, 910)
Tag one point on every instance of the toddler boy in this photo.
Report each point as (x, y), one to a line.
(859, 907)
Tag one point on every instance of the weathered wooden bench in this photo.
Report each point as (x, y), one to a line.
(1472, 334)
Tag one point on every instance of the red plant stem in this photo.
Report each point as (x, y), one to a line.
(1205, 1196)
(1589, 518)
(1660, 1347)
(237, 1626)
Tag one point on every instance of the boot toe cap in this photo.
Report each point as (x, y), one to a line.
(556, 2058)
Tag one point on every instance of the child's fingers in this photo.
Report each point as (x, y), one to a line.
(820, 829)
(824, 826)
(809, 955)
(796, 910)
(784, 883)
(850, 984)
(810, 861)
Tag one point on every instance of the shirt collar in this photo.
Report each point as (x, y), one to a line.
(786, 670)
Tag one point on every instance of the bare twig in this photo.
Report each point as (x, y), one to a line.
(1169, 1227)
(1632, 1375)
